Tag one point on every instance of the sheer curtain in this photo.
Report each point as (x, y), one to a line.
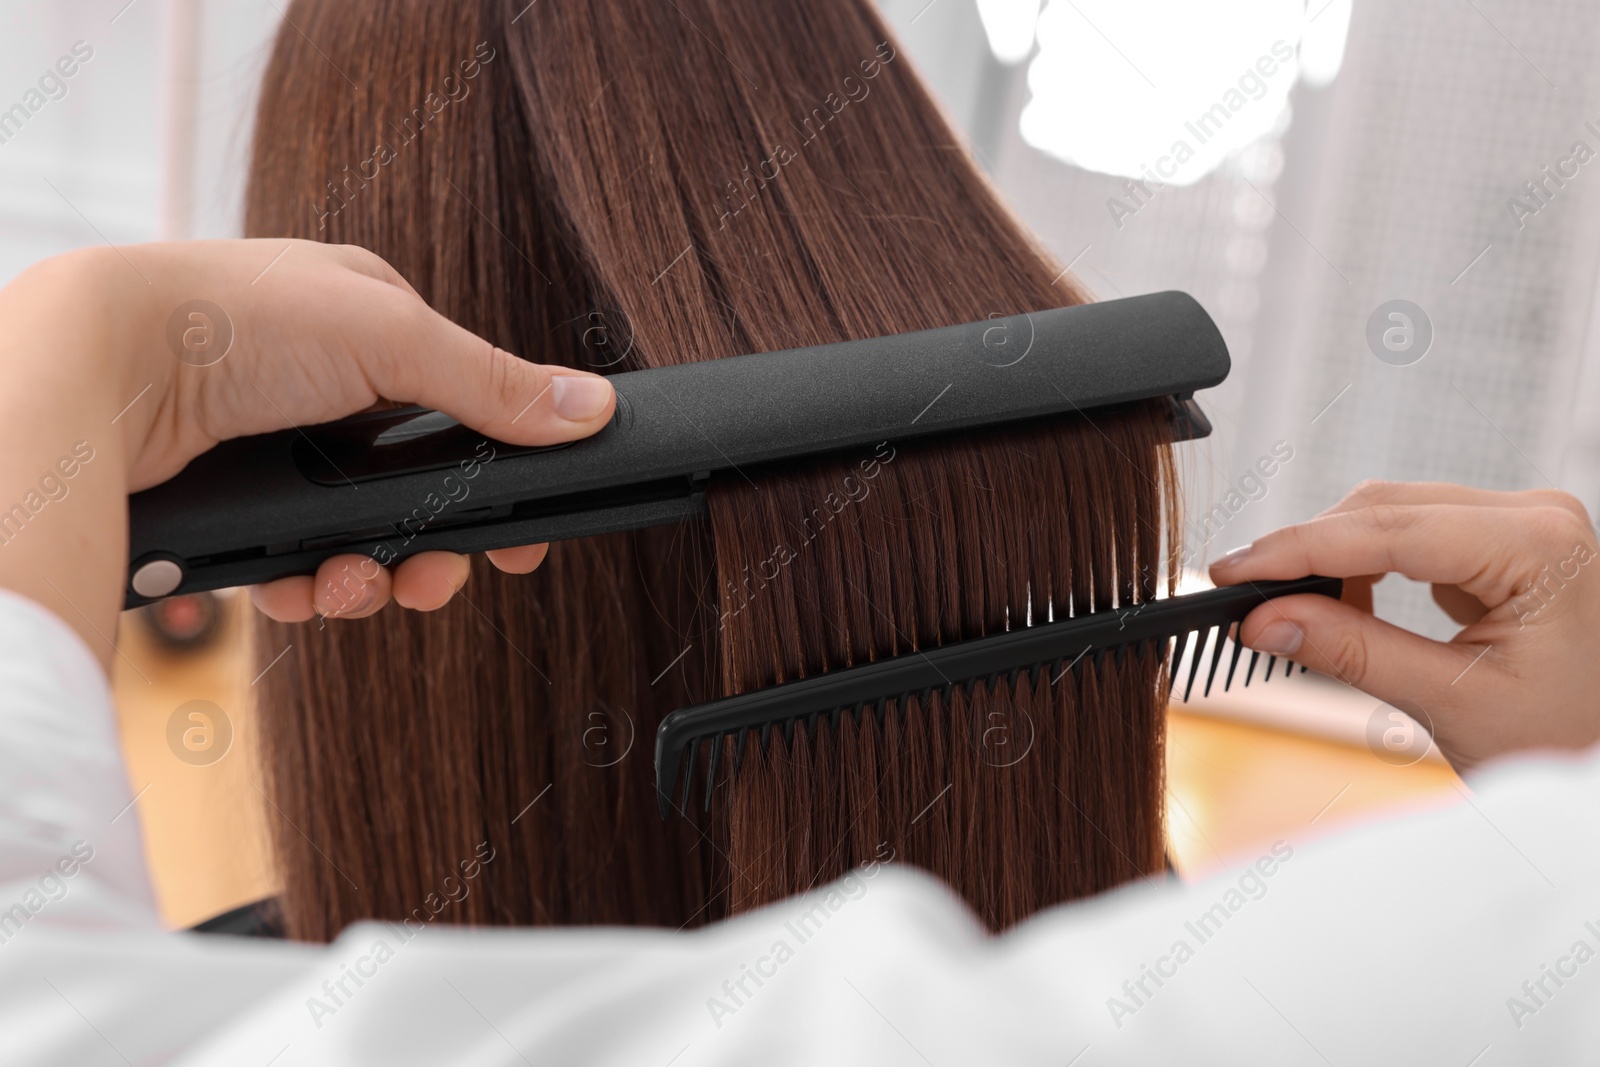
(144, 139)
(1404, 177)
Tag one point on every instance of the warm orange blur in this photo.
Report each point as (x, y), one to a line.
(1232, 787)
(204, 825)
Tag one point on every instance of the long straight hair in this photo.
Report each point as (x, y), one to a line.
(620, 184)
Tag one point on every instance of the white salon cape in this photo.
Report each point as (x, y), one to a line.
(1467, 936)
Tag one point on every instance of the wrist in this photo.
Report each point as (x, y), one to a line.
(65, 335)
(105, 307)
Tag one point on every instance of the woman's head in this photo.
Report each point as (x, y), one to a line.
(624, 184)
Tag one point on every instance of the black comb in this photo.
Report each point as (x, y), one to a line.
(1179, 623)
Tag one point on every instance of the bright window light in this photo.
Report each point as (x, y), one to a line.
(1322, 45)
(1168, 89)
(1009, 25)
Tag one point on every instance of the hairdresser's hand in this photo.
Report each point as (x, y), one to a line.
(1516, 569)
(89, 353)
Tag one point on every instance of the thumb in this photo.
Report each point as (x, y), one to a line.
(459, 373)
(1344, 642)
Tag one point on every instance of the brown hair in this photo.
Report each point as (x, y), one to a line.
(621, 184)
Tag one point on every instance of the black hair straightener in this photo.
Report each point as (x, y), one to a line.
(389, 484)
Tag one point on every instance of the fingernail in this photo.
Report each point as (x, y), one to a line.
(1281, 638)
(579, 397)
(1234, 557)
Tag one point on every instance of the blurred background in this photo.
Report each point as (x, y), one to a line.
(1385, 205)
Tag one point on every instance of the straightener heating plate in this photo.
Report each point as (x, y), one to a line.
(393, 483)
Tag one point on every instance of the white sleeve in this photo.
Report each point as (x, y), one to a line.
(71, 854)
(1465, 936)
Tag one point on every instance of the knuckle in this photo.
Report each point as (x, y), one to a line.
(1347, 654)
(1295, 545)
(1369, 491)
(357, 254)
(1293, 537)
(505, 385)
(1570, 503)
(1387, 518)
(365, 261)
(344, 255)
(404, 322)
(1557, 528)
(1287, 539)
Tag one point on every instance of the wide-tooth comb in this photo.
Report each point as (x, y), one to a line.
(1175, 623)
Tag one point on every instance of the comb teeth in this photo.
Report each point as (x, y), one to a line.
(1216, 658)
(1217, 639)
(1197, 643)
(1181, 627)
(1233, 661)
(1176, 656)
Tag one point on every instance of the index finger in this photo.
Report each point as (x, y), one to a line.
(1489, 552)
(1373, 493)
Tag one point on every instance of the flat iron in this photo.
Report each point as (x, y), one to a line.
(389, 484)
